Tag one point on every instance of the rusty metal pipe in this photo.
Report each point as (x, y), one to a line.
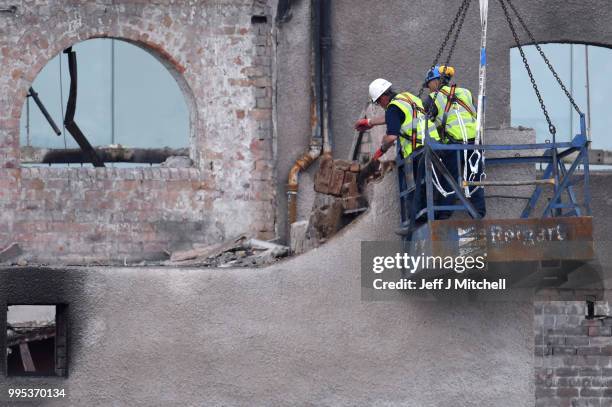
(301, 164)
(316, 105)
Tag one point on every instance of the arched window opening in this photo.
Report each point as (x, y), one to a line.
(129, 109)
(581, 67)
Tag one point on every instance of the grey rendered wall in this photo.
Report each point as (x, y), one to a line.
(296, 333)
(398, 40)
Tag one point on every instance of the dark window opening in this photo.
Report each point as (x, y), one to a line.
(36, 340)
(259, 20)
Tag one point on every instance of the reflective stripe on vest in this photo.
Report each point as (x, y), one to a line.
(402, 101)
(453, 127)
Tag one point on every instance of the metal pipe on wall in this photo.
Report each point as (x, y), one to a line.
(316, 107)
(326, 43)
(588, 91)
(571, 90)
(112, 89)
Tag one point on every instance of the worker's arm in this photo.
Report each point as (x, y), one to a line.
(378, 120)
(367, 124)
(393, 118)
(387, 142)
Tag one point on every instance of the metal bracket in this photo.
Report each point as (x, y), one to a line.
(9, 10)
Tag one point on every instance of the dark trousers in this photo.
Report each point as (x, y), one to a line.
(417, 197)
(455, 167)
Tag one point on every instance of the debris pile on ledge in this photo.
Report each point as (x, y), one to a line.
(238, 252)
(12, 254)
(31, 331)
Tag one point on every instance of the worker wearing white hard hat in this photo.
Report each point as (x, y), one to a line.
(405, 119)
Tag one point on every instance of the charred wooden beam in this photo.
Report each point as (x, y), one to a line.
(16, 336)
(33, 155)
(26, 358)
(69, 122)
(44, 111)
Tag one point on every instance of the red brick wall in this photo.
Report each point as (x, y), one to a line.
(221, 61)
(573, 355)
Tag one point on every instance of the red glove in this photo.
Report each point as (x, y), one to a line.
(363, 124)
(379, 153)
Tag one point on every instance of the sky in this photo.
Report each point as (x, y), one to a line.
(30, 313)
(149, 108)
(569, 62)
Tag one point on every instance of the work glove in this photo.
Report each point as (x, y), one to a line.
(377, 154)
(363, 124)
(381, 151)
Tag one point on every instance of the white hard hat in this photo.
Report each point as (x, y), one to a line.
(378, 87)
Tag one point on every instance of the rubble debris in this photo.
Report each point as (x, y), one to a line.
(339, 178)
(205, 251)
(237, 252)
(345, 180)
(12, 251)
(338, 202)
(29, 332)
(177, 161)
(326, 218)
(275, 249)
(25, 340)
(299, 240)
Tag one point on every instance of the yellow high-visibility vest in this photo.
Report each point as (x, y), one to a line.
(413, 119)
(452, 127)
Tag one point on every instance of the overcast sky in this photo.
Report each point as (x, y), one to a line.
(526, 108)
(30, 313)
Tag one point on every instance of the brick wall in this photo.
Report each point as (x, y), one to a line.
(221, 59)
(573, 355)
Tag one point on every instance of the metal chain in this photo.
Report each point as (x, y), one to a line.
(450, 51)
(459, 22)
(450, 31)
(550, 67)
(459, 27)
(551, 127)
(447, 37)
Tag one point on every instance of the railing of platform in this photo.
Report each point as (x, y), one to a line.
(564, 200)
